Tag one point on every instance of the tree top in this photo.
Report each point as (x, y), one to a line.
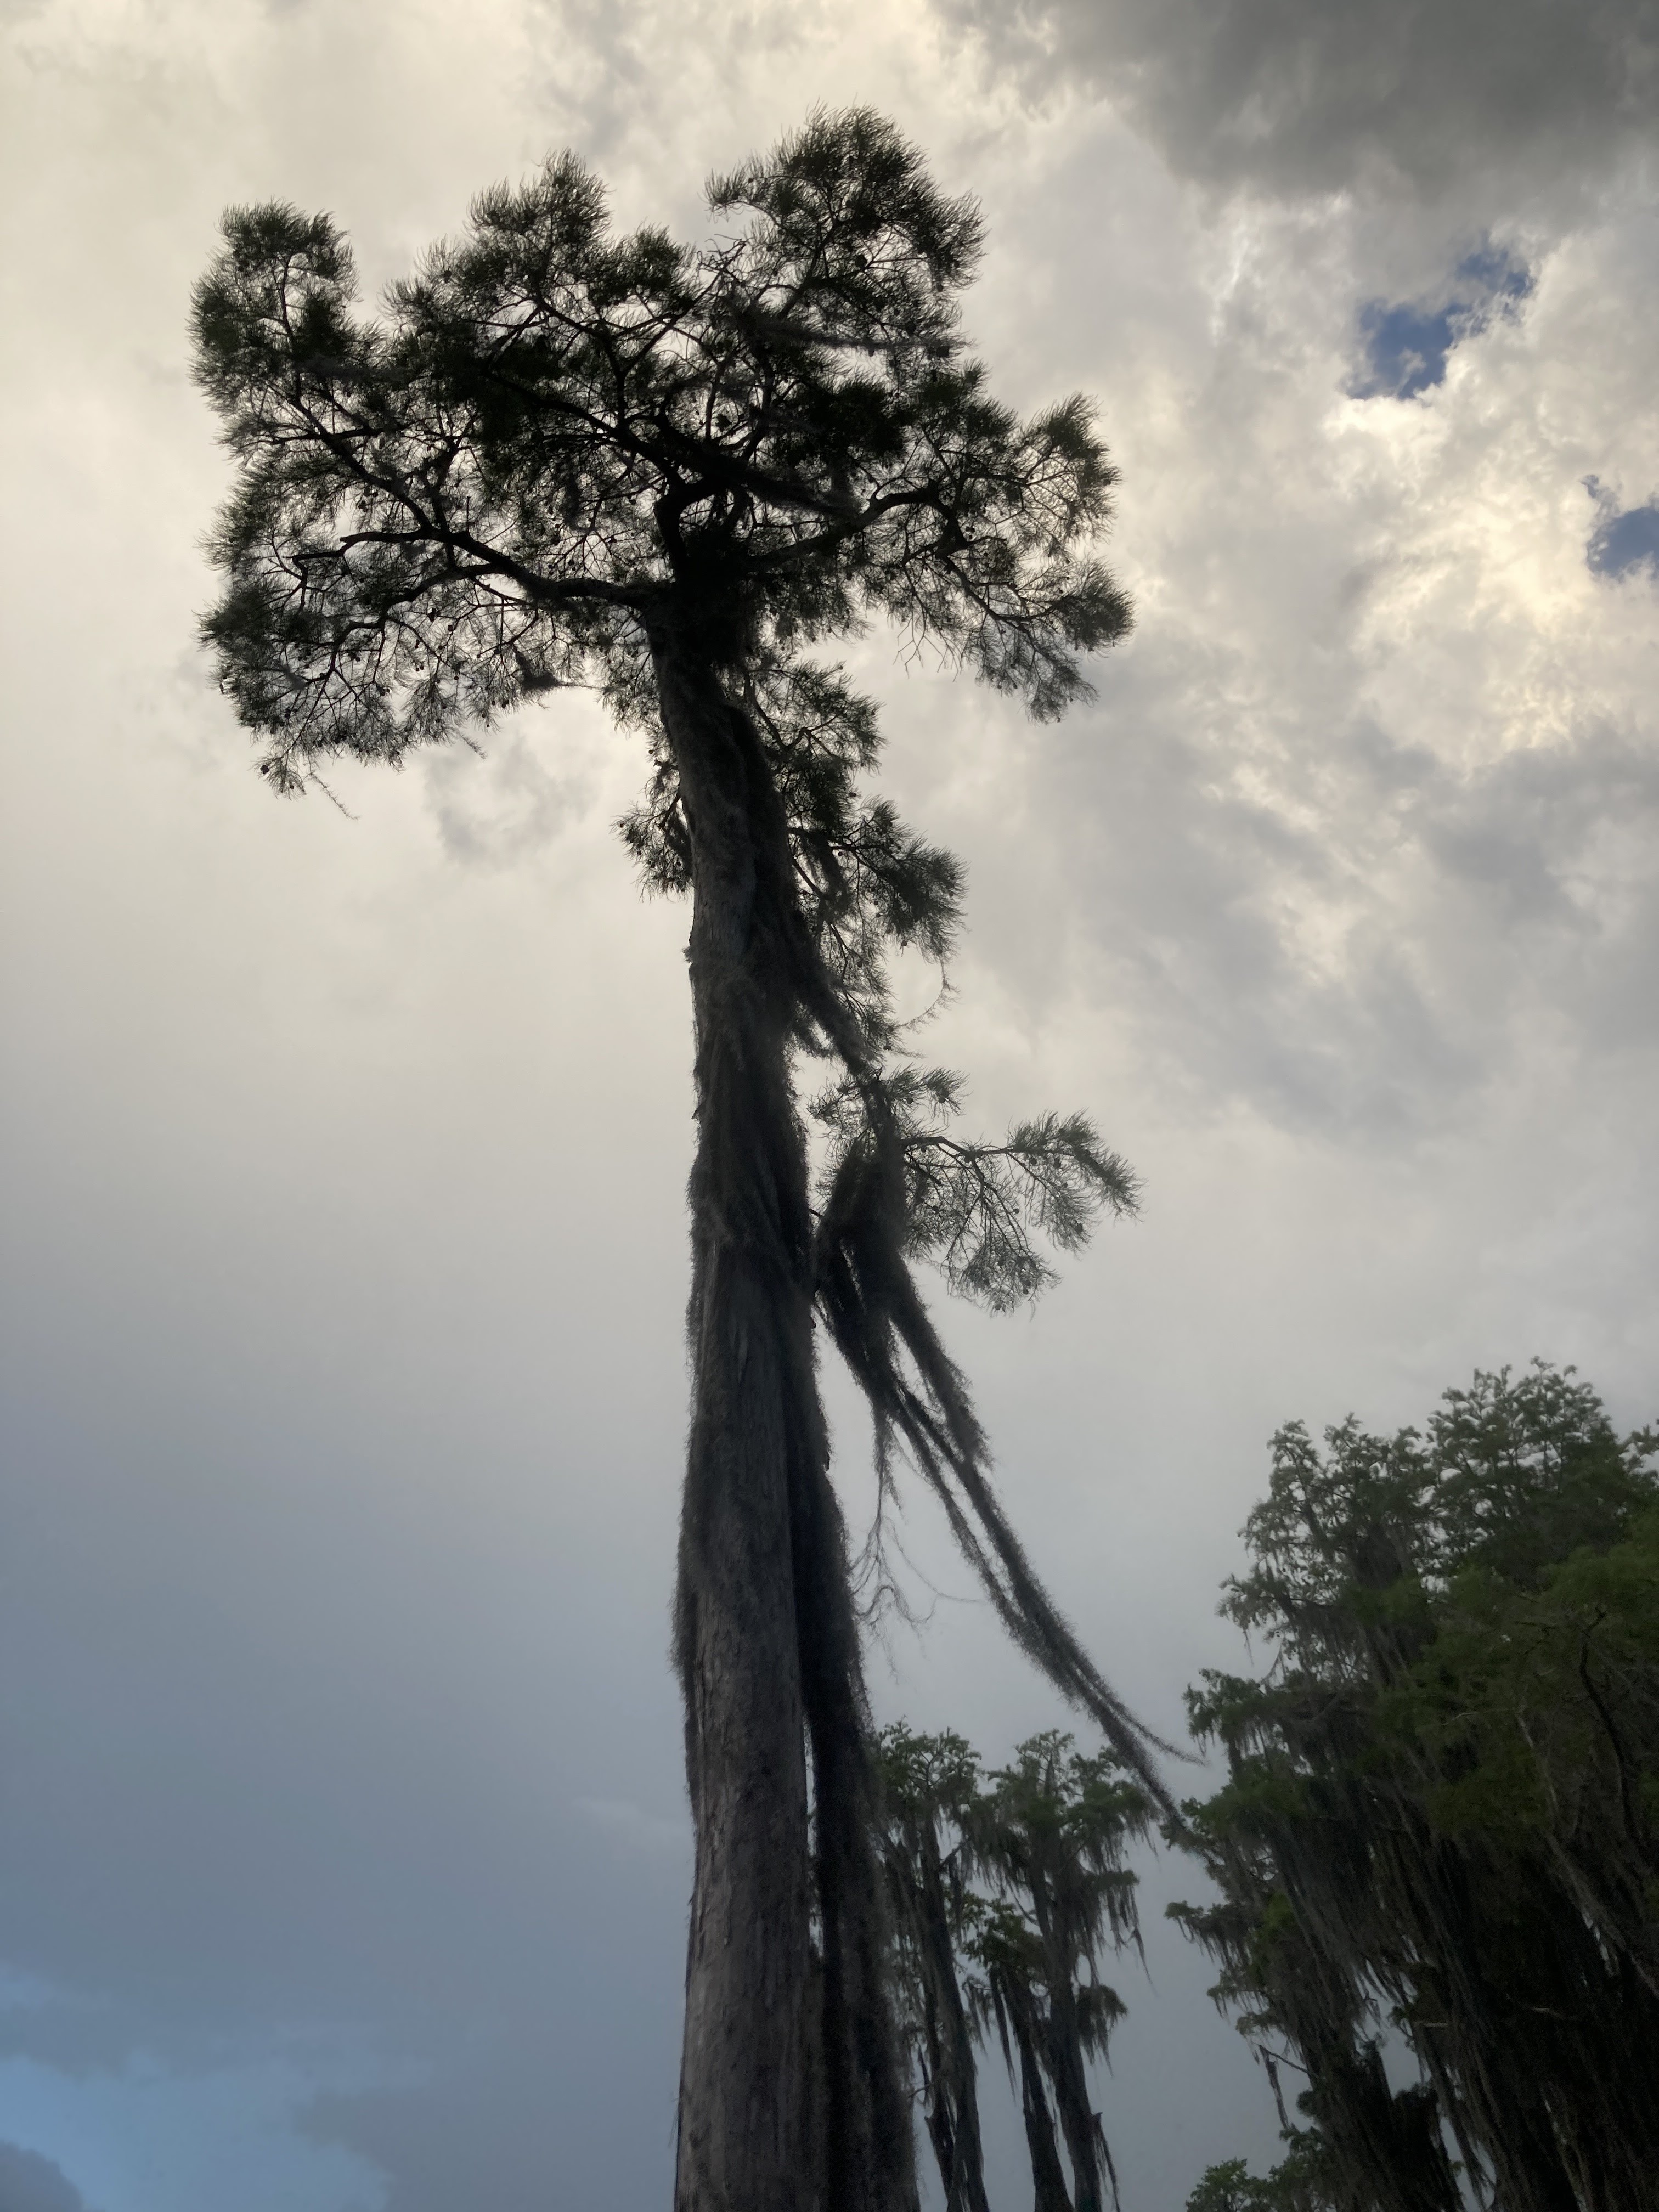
(552, 440)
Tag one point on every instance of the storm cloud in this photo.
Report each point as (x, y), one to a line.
(1296, 96)
(342, 1847)
(29, 2183)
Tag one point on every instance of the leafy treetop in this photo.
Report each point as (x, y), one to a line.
(1441, 1805)
(551, 434)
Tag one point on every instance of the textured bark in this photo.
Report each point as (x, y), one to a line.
(789, 2093)
(747, 2121)
(869, 2156)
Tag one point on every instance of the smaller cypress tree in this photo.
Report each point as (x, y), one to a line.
(1006, 1894)
(931, 1789)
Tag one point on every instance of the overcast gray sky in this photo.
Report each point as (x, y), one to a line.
(342, 1848)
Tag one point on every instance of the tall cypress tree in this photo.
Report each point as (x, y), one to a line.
(559, 456)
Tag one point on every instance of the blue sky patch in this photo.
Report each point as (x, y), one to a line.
(1624, 538)
(1406, 343)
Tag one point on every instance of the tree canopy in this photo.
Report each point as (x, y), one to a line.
(551, 431)
(1440, 1828)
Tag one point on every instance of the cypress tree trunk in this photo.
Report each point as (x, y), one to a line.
(1072, 2100)
(869, 2152)
(1066, 2065)
(748, 2119)
(953, 2104)
(1048, 2178)
(790, 2096)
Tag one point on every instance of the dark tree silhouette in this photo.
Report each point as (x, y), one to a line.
(1442, 1808)
(930, 1799)
(1051, 1834)
(1006, 1893)
(1304, 2180)
(563, 457)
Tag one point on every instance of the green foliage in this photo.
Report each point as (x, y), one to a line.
(1301, 2182)
(1441, 1801)
(977, 1209)
(1226, 2188)
(1053, 1828)
(1008, 1891)
(488, 488)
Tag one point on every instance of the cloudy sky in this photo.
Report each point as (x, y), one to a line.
(343, 1846)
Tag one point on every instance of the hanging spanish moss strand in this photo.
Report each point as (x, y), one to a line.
(868, 1296)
